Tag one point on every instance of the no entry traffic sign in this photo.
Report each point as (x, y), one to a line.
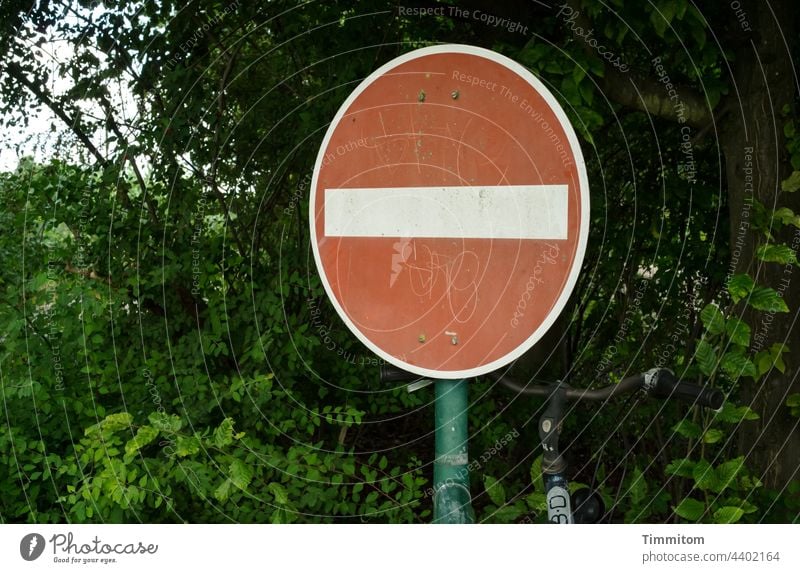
(449, 211)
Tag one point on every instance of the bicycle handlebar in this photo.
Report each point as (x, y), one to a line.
(667, 386)
(658, 382)
(391, 373)
(625, 385)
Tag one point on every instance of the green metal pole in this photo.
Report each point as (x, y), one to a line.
(451, 498)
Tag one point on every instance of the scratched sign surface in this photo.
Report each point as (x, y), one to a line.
(449, 211)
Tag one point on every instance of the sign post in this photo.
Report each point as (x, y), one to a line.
(451, 497)
(449, 217)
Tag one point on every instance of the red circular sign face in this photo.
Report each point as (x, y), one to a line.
(449, 211)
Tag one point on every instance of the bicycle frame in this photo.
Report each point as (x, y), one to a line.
(452, 502)
(559, 509)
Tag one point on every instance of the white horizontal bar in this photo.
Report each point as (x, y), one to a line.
(479, 212)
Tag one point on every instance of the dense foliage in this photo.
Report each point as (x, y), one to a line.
(167, 352)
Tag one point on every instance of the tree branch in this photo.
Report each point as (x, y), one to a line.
(16, 72)
(645, 94)
(223, 85)
(112, 123)
(640, 92)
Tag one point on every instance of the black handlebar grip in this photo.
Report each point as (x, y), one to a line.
(395, 374)
(666, 385)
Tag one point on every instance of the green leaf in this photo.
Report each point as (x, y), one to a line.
(712, 436)
(144, 436)
(786, 216)
(578, 73)
(727, 472)
(658, 22)
(746, 506)
(779, 364)
(788, 128)
(733, 414)
(637, 487)
(586, 90)
(699, 35)
(791, 184)
(495, 489)
(570, 91)
(509, 513)
(736, 364)
(706, 357)
(687, 429)
(667, 10)
(690, 509)
(279, 493)
(766, 299)
(773, 253)
(165, 422)
(771, 357)
(536, 474)
(553, 67)
(739, 286)
(223, 491)
(713, 319)
(114, 422)
(240, 474)
(793, 402)
(704, 476)
(534, 53)
(728, 514)
(764, 362)
(596, 66)
(681, 467)
(223, 434)
(738, 331)
(187, 446)
(537, 501)
(776, 351)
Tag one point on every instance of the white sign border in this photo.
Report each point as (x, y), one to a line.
(584, 223)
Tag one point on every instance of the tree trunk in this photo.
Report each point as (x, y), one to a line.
(756, 162)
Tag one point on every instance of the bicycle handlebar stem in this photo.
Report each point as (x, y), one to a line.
(550, 427)
(554, 465)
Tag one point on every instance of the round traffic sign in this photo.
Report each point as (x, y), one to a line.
(449, 211)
